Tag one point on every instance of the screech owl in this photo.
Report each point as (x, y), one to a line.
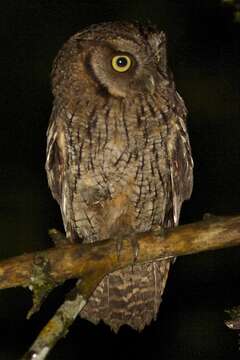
(118, 155)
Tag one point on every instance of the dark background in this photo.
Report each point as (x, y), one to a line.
(204, 52)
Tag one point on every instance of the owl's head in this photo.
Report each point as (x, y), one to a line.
(121, 58)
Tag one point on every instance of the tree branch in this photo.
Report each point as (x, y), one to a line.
(80, 260)
(41, 271)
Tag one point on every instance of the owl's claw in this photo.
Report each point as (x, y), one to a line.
(135, 248)
(159, 230)
(58, 237)
(119, 245)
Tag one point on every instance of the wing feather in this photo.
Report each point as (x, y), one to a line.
(56, 156)
(181, 166)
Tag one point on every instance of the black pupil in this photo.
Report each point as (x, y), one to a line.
(122, 62)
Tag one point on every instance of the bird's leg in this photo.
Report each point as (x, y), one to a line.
(119, 245)
(134, 244)
(159, 230)
(135, 248)
(60, 239)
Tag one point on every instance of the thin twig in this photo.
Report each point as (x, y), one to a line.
(56, 328)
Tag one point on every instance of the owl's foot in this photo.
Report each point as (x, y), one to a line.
(58, 238)
(135, 248)
(159, 230)
(119, 245)
(134, 244)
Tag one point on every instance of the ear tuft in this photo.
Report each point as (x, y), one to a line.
(158, 42)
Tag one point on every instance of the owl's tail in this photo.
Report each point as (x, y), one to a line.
(130, 296)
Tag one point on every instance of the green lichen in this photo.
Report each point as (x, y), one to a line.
(41, 283)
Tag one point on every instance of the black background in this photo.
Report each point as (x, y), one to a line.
(204, 52)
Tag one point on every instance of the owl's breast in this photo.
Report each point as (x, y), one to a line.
(127, 186)
(119, 172)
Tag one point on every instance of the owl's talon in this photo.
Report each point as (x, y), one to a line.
(119, 245)
(58, 237)
(159, 230)
(136, 248)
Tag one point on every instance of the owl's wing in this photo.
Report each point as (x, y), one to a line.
(181, 166)
(56, 154)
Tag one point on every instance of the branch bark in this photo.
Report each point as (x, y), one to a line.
(81, 260)
(41, 271)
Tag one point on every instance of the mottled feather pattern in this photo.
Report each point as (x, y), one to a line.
(118, 159)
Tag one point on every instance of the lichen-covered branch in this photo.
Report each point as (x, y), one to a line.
(81, 260)
(41, 271)
(56, 328)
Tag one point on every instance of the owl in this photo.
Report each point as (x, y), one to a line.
(118, 156)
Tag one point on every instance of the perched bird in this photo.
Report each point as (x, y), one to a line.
(118, 156)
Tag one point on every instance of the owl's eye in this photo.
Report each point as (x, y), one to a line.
(121, 63)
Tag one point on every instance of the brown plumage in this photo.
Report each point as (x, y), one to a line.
(118, 155)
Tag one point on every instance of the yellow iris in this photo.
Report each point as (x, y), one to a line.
(121, 63)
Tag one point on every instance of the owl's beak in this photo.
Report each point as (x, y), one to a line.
(150, 84)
